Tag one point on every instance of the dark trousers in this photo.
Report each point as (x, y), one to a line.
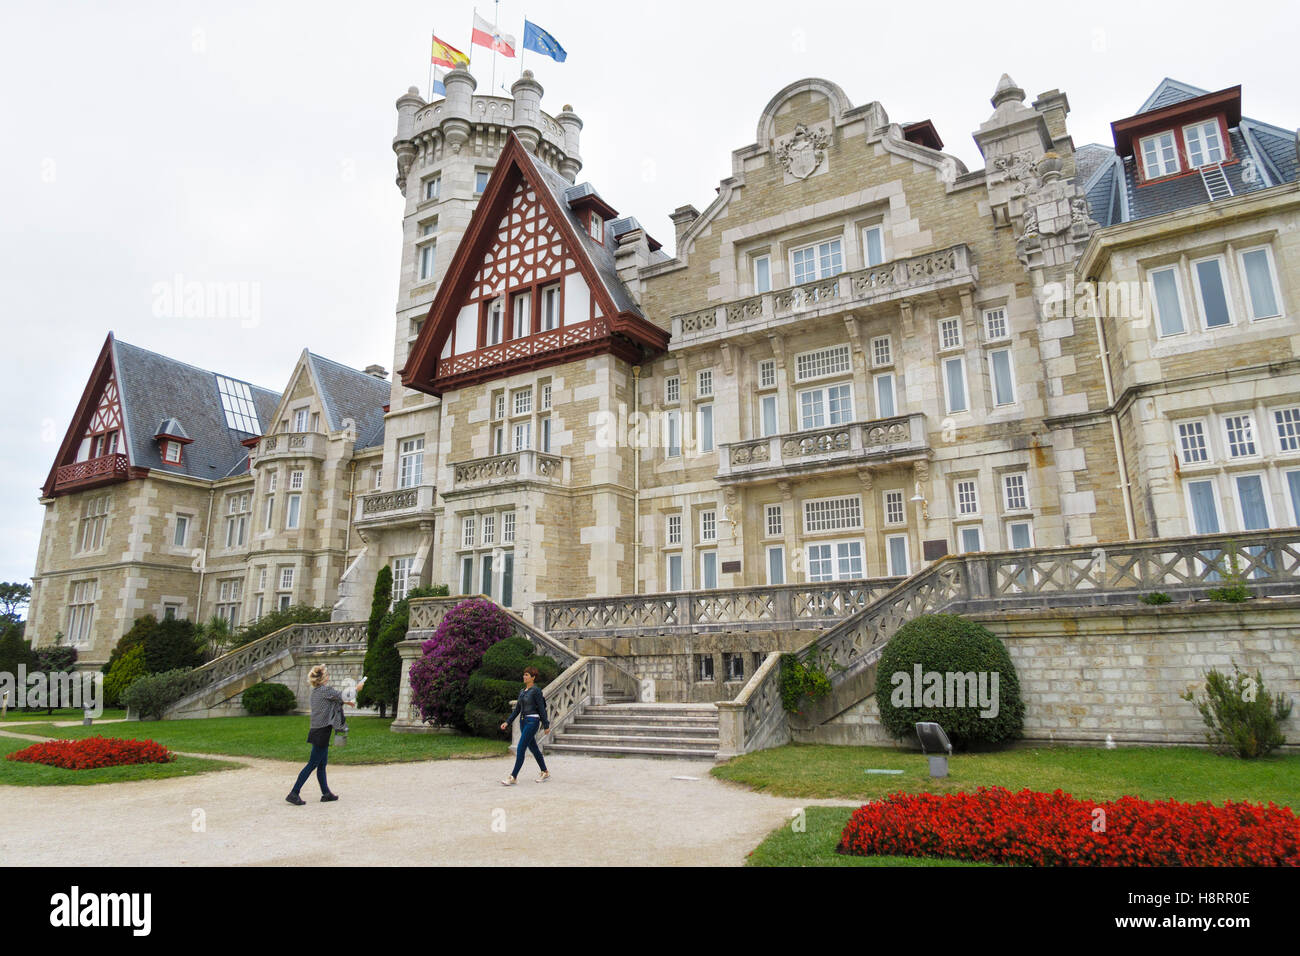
(320, 755)
(528, 727)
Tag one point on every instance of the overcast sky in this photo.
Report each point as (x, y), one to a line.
(251, 143)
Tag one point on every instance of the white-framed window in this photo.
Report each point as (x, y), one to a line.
(1287, 422)
(596, 227)
(1020, 535)
(1211, 292)
(674, 566)
(433, 187)
(886, 403)
(81, 611)
(522, 399)
(674, 526)
(300, 420)
(767, 373)
(873, 246)
(498, 406)
(498, 440)
(1252, 496)
(882, 351)
(1015, 492)
(521, 436)
(481, 180)
(261, 578)
(818, 261)
(829, 405)
(523, 306)
(835, 561)
(1203, 506)
(237, 509)
(428, 253)
(295, 480)
(708, 525)
(171, 452)
(286, 579)
(1292, 479)
(230, 595)
(489, 529)
(379, 477)
(970, 539)
(954, 384)
(896, 555)
(672, 390)
(1204, 144)
(283, 601)
(762, 274)
(467, 574)
(821, 363)
(1167, 297)
(949, 334)
(546, 397)
(776, 564)
(774, 520)
(767, 416)
(832, 514)
(1001, 378)
(967, 497)
(508, 528)
(410, 462)
(1159, 155)
(895, 510)
(704, 426)
(550, 308)
(704, 383)
(272, 479)
(181, 531)
(402, 576)
(1262, 293)
(544, 427)
(94, 521)
(268, 513)
(294, 512)
(496, 322)
(171, 611)
(673, 425)
(708, 569)
(1193, 448)
(467, 531)
(995, 324)
(1240, 434)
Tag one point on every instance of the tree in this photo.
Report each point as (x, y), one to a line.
(379, 604)
(13, 598)
(383, 664)
(14, 650)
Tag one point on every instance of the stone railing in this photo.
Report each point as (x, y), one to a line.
(385, 507)
(1268, 562)
(528, 465)
(291, 445)
(755, 720)
(91, 472)
(781, 606)
(880, 439)
(942, 268)
(235, 664)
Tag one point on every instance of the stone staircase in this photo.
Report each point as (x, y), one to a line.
(623, 727)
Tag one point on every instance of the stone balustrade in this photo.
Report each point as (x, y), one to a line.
(400, 506)
(901, 437)
(291, 445)
(528, 465)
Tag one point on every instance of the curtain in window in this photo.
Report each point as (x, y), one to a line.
(1166, 290)
(1205, 516)
(1003, 394)
(1260, 279)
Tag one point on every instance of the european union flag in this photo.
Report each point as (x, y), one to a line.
(539, 41)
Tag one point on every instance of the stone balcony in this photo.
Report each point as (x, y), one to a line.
(290, 445)
(901, 438)
(91, 473)
(890, 281)
(519, 467)
(402, 506)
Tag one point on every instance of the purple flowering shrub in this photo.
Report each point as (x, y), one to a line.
(440, 678)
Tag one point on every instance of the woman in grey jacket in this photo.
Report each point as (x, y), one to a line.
(326, 715)
(530, 708)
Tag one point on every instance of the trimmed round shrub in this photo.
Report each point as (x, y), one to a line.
(440, 678)
(495, 686)
(122, 673)
(149, 696)
(268, 699)
(944, 668)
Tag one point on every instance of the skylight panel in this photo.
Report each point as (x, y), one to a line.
(237, 403)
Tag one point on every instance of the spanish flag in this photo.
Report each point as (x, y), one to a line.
(444, 54)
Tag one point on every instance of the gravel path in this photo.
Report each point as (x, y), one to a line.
(594, 811)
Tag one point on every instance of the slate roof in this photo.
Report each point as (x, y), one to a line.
(347, 394)
(153, 388)
(1110, 181)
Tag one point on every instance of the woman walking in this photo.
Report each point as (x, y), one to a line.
(326, 715)
(530, 708)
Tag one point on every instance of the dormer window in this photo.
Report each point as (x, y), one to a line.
(1159, 155)
(172, 452)
(596, 227)
(171, 437)
(1204, 144)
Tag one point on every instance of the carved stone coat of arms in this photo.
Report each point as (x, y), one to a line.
(803, 151)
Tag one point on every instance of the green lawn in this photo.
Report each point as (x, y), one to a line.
(69, 713)
(815, 846)
(16, 773)
(1155, 773)
(285, 738)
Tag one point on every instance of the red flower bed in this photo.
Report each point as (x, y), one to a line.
(94, 752)
(1054, 829)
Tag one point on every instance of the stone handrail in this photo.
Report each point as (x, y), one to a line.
(877, 438)
(524, 464)
(754, 720)
(792, 605)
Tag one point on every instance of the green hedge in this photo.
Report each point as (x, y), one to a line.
(269, 699)
(495, 686)
(149, 696)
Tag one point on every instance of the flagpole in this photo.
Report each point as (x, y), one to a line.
(496, 20)
(433, 34)
(521, 48)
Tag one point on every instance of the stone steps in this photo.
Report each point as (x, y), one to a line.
(681, 731)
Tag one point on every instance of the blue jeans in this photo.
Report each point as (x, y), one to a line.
(528, 727)
(319, 757)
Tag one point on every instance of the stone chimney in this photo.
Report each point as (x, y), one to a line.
(682, 218)
(377, 371)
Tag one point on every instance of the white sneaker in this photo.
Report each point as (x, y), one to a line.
(546, 775)
(509, 782)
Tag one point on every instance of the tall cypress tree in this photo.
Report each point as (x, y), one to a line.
(367, 697)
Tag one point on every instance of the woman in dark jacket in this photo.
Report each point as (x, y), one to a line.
(530, 708)
(326, 715)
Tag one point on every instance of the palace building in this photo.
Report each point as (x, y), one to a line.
(860, 357)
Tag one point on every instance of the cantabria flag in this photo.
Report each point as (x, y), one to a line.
(486, 34)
